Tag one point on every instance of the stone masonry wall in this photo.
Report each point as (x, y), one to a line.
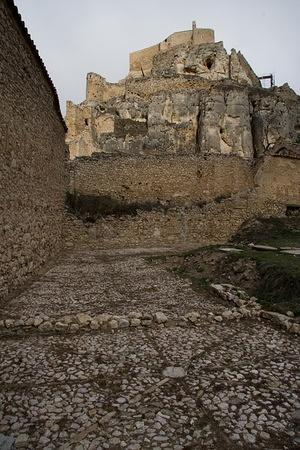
(204, 200)
(173, 179)
(141, 61)
(278, 178)
(214, 223)
(32, 157)
(98, 89)
(184, 96)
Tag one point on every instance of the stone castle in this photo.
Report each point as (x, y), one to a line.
(183, 96)
(191, 132)
(103, 347)
(183, 151)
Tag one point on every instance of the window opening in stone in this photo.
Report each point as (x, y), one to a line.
(283, 151)
(293, 210)
(209, 62)
(86, 121)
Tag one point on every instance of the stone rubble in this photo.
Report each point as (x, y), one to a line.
(247, 306)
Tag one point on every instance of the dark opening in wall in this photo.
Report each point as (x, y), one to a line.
(282, 151)
(292, 210)
(209, 62)
(192, 69)
(86, 121)
(297, 129)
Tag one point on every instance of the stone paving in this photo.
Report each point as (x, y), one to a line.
(209, 385)
(105, 282)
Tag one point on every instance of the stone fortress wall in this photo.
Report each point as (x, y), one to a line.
(99, 90)
(186, 180)
(202, 201)
(193, 137)
(197, 98)
(33, 154)
(173, 180)
(214, 223)
(141, 61)
(191, 131)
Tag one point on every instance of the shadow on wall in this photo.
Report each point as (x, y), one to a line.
(89, 208)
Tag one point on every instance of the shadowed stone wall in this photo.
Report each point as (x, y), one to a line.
(177, 180)
(278, 178)
(213, 223)
(141, 61)
(195, 200)
(32, 156)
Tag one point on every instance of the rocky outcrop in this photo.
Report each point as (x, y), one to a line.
(194, 98)
(209, 61)
(275, 118)
(224, 123)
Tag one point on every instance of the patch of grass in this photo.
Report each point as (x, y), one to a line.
(198, 282)
(179, 270)
(198, 250)
(279, 286)
(186, 254)
(278, 232)
(221, 198)
(283, 261)
(162, 258)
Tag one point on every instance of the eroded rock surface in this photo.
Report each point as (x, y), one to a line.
(184, 98)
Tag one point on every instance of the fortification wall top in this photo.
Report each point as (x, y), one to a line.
(98, 89)
(141, 61)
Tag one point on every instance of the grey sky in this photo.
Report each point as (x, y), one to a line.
(79, 36)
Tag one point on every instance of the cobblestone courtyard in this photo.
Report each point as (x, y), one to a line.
(175, 385)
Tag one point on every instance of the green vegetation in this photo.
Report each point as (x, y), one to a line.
(221, 198)
(278, 232)
(156, 258)
(179, 270)
(274, 278)
(198, 282)
(279, 273)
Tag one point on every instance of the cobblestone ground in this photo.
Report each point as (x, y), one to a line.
(226, 385)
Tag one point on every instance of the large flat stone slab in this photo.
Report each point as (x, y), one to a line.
(260, 247)
(292, 251)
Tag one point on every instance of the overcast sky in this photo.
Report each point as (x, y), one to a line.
(75, 37)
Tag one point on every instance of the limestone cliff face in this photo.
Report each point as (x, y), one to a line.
(194, 99)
